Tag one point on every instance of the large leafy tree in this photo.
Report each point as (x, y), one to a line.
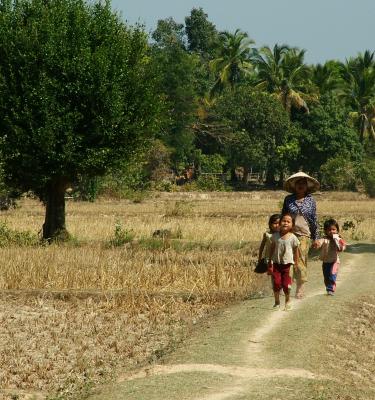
(327, 134)
(358, 89)
(202, 36)
(234, 61)
(261, 136)
(76, 95)
(283, 72)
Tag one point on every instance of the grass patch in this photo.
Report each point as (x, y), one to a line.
(11, 237)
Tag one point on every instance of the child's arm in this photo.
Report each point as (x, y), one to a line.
(261, 247)
(270, 262)
(272, 250)
(319, 243)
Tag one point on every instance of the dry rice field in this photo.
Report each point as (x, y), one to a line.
(74, 315)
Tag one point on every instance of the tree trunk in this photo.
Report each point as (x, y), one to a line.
(281, 178)
(54, 224)
(270, 177)
(245, 177)
(362, 128)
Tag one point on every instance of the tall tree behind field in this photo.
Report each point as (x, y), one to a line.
(76, 95)
(327, 134)
(358, 90)
(260, 136)
(234, 62)
(326, 77)
(202, 36)
(283, 72)
(177, 70)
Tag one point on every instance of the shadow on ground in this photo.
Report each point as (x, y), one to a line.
(359, 248)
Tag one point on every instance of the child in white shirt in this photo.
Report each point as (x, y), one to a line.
(283, 254)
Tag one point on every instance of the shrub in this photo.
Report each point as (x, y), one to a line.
(368, 177)
(339, 174)
(210, 163)
(210, 183)
(121, 236)
(10, 237)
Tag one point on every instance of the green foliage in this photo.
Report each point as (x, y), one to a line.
(202, 35)
(209, 163)
(368, 176)
(326, 77)
(339, 174)
(77, 94)
(233, 64)
(327, 133)
(358, 90)
(351, 227)
(282, 71)
(128, 179)
(10, 237)
(210, 183)
(176, 69)
(157, 161)
(121, 236)
(260, 126)
(87, 188)
(8, 195)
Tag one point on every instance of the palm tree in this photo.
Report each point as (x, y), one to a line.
(358, 89)
(234, 62)
(282, 71)
(326, 77)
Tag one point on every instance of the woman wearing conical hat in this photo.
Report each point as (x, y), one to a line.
(301, 205)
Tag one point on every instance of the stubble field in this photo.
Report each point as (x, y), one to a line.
(116, 296)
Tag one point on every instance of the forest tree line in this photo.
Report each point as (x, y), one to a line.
(90, 102)
(232, 104)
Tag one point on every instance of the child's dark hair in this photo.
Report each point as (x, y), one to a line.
(330, 222)
(273, 218)
(289, 215)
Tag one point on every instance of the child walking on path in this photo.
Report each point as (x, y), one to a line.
(330, 246)
(265, 246)
(283, 254)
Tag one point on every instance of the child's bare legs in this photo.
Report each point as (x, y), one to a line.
(287, 300)
(299, 290)
(276, 293)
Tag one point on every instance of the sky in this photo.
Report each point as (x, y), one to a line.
(327, 29)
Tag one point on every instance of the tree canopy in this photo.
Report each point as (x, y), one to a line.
(76, 95)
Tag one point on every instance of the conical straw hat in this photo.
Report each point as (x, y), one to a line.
(290, 184)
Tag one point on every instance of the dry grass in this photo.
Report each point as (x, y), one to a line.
(72, 315)
(348, 354)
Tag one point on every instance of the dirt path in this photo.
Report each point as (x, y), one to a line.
(254, 352)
